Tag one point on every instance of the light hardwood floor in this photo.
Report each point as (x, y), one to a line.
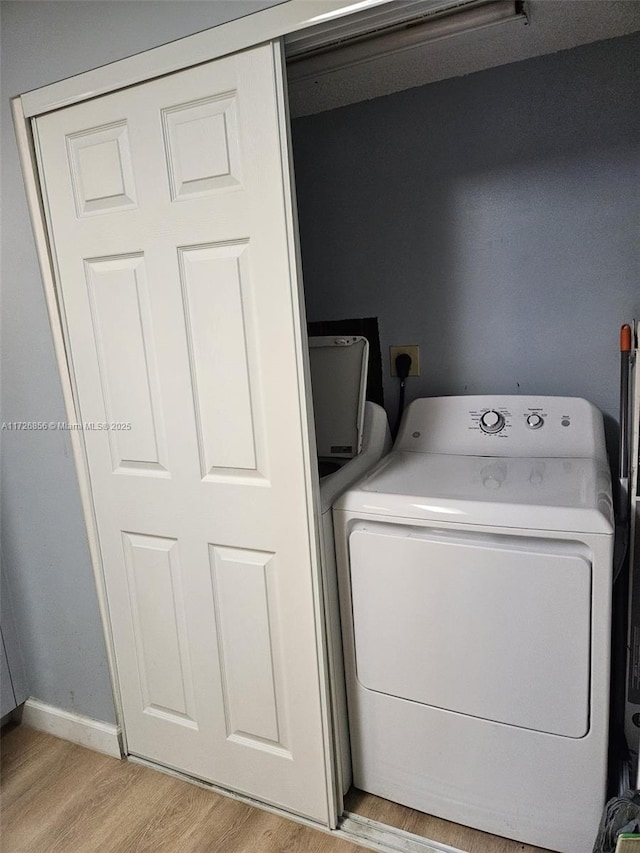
(410, 820)
(61, 798)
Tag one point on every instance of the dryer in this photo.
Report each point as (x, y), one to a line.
(475, 571)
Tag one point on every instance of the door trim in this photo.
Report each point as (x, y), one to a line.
(312, 485)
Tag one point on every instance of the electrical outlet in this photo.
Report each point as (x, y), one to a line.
(413, 351)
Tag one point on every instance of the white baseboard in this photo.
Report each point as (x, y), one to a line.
(85, 731)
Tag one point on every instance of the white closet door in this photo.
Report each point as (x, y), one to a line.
(171, 236)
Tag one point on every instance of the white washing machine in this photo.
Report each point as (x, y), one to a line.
(475, 571)
(352, 434)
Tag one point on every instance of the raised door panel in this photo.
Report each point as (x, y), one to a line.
(221, 330)
(154, 576)
(250, 659)
(125, 343)
(101, 169)
(202, 144)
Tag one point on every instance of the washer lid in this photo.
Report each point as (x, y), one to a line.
(339, 367)
(543, 494)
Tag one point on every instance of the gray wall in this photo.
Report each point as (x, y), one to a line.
(491, 219)
(44, 545)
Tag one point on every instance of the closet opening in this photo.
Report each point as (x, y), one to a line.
(427, 177)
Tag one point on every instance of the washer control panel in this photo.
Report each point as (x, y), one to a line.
(503, 426)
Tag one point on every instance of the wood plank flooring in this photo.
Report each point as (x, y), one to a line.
(61, 798)
(58, 797)
(410, 820)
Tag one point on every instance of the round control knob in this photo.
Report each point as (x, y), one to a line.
(534, 421)
(491, 421)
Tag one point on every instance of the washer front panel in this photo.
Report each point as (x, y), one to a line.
(496, 627)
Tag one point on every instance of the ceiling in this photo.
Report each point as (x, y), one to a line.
(551, 25)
